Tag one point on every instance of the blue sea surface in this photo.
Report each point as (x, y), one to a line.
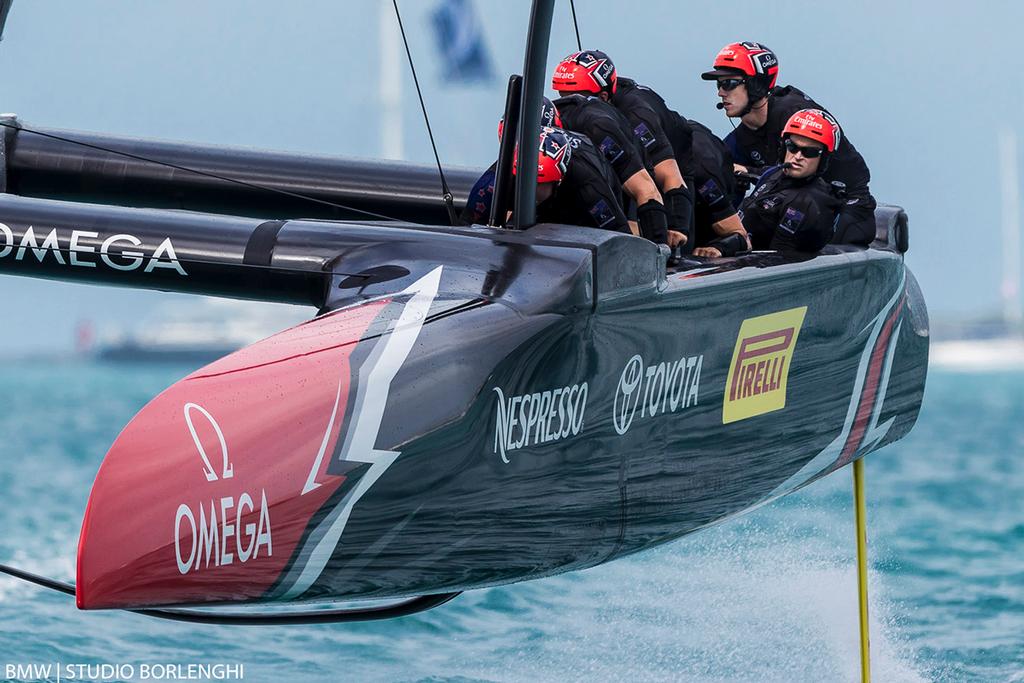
(766, 597)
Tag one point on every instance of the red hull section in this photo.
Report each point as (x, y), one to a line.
(207, 492)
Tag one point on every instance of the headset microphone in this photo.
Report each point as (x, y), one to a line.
(787, 165)
(720, 105)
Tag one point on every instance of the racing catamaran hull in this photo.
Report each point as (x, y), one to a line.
(473, 406)
(503, 407)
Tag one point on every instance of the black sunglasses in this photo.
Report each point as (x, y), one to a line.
(728, 84)
(807, 152)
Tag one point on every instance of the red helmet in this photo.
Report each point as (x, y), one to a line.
(588, 71)
(553, 155)
(548, 117)
(754, 60)
(817, 125)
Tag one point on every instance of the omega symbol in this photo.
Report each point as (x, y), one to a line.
(227, 471)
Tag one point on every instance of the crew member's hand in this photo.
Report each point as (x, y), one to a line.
(709, 252)
(675, 239)
(738, 168)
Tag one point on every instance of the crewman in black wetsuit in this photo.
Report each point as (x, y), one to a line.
(715, 216)
(478, 205)
(660, 133)
(792, 209)
(575, 185)
(583, 191)
(746, 74)
(610, 133)
(674, 146)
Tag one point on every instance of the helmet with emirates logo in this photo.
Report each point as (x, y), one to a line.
(815, 124)
(590, 71)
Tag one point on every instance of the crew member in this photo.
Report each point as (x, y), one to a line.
(578, 186)
(610, 133)
(478, 205)
(793, 209)
(575, 185)
(746, 74)
(715, 215)
(662, 134)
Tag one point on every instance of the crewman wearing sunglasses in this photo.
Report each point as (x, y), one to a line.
(746, 75)
(793, 209)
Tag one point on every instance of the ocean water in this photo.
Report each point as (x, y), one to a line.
(767, 597)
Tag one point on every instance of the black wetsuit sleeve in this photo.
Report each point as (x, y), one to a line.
(650, 136)
(601, 203)
(478, 204)
(713, 179)
(804, 224)
(620, 151)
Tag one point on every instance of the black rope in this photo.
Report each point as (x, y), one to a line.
(446, 193)
(216, 176)
(579, 45)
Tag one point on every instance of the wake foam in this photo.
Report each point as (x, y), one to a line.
(718, 610)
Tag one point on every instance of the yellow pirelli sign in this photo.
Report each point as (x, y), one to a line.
(756, 383)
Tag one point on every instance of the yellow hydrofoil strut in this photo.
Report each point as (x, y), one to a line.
(862, 568)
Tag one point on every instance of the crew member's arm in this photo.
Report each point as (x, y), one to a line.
(653, 215)
(668, 175)
(601, 202)
(658, 146)
(733, 239)
(625, 159)
(741, 160)
(729, 225)
(742, 163)
(652, 138)
(678, 202)
(641, 187)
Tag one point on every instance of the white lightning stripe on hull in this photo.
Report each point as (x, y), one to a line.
(311, 482)
(831, 453)
(375, 378)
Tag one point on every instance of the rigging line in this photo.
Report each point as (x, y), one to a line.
(216, 176)
(575, 25)
(446, 192)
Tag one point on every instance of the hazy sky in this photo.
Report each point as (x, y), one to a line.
(921, 94)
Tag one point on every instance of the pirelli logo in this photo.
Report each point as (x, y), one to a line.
(757, 377)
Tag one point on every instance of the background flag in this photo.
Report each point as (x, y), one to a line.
(461, 42)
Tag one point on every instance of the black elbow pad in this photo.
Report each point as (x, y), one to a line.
(679, 203)
(731, 244)
(653, 221)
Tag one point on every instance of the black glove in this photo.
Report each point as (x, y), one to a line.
(679, 204)
(731, 244)
(653, 221)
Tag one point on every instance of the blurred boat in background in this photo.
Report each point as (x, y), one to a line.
(196, 332)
